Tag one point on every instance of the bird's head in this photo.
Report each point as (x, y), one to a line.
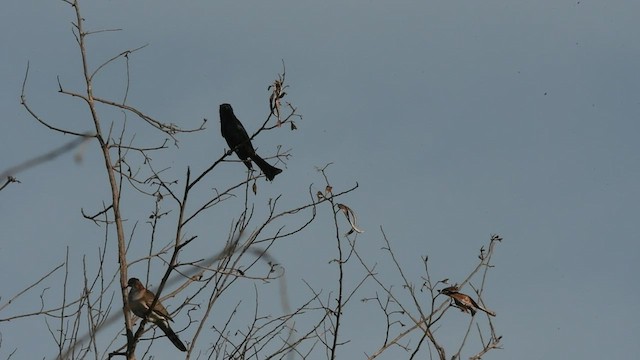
(450, 290)
(134, 283)
(226, 109)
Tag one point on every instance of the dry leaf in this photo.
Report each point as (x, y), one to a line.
(351, 218)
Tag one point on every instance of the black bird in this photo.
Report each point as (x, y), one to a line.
(238, 140)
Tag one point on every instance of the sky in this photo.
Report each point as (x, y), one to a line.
(457, 120)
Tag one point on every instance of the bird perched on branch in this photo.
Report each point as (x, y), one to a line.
(463, 301)
(140, 299)
(238, 140)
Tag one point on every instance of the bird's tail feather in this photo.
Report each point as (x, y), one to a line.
(487, 311)
(172, 336)
(269, 171)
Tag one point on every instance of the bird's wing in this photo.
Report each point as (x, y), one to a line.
(158, 309)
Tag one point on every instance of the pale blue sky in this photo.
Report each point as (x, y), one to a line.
(458, 119)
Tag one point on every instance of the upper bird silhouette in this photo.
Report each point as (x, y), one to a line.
(238, 140)
(140, 299)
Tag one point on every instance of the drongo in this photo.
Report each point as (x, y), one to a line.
(238, 140)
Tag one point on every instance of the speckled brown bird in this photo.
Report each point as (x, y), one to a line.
(139, 301)
(463, 301)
